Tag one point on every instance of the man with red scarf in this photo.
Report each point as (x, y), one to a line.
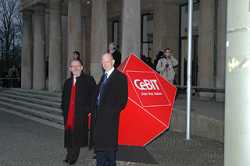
(77, 97)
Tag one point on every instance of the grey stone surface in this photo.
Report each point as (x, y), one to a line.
(206, 48)
(39, 47)
(131, 27)
(86, 38)
(26, 75)
(207, 118)
(209, 108)
(221, 48)
(55, 46)
(27, 143)
(237, 81)
(166, 26)
(99, 36)
(74, 39)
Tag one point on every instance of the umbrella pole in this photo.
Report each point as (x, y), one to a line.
(189, 67)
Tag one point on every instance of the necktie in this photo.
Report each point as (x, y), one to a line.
(104, 79)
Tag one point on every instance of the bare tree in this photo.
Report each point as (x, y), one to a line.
(10, 27)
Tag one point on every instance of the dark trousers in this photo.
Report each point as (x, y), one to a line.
(73, 153)
(106, 158)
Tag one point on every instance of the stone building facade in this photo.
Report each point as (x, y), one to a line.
(53, 29)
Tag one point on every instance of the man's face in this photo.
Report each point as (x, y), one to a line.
(107, 62)
(112, 48)
(167, 53)
(76, 68)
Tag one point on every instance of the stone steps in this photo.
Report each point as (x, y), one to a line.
(33, 95)
(31, 105)
(41, 92)
(33, 112)
(32, 100)
(38, 104)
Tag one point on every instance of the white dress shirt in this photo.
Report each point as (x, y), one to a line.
(109, 72)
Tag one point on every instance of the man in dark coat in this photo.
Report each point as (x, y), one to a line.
(78, 94)
(113, 50)
(111, 98)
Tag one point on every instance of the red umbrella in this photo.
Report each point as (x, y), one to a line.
(150, 104)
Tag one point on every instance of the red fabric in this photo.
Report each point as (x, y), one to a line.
(89, 120)
(71, 112)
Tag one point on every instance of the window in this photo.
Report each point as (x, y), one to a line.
(147, 34)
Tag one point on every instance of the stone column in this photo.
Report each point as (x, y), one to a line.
(83, 53)
(87, 38)
(237, 105)
(99, 35)
(55, 46)
(26, 66)
(166, 26)
(39, 48)
(131, 27)
(74, 27)
(221, 48)
(64, 47)
(206, 44)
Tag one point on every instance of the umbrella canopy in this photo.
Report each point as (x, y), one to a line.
(150, 104)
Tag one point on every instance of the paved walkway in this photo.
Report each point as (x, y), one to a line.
(207, 108)
(27, 143)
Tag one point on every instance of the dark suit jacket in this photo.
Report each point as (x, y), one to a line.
(85, 92)
(106, 118)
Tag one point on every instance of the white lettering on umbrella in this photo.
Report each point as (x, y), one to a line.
(146, 84)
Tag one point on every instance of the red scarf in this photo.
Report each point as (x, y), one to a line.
(71, 111)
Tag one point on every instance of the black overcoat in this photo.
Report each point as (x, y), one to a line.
(106, 117)
(85, 92)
